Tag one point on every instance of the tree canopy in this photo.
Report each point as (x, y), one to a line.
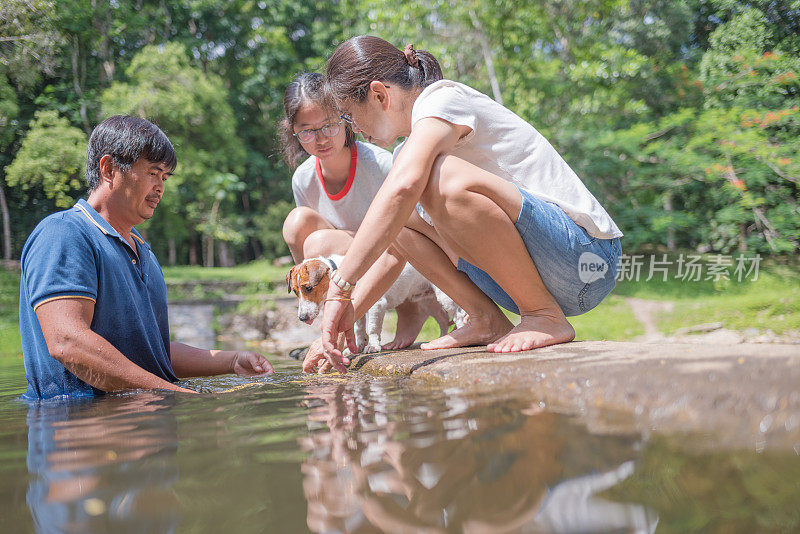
(682, 117)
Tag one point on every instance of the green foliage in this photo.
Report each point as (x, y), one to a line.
(739, 491)
(53, 157)
(29, 42)
(9, 109)
(680, 116)
(192, 108)
(270, 228)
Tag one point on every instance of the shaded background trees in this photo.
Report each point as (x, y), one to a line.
(681, 116)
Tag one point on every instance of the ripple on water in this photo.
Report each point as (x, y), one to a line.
(291, 452)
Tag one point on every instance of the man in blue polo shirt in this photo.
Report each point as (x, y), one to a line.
(93, 302)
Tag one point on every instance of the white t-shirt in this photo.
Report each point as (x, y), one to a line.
(346, 209)
(504, 144)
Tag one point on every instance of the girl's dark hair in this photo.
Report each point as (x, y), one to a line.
(305, 88)
(126, 139)
(360, 60)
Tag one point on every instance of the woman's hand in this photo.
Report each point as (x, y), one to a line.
(339, 317)
(315, 358)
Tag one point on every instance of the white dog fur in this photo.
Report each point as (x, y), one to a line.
(410, 285)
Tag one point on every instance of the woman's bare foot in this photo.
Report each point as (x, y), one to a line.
(535, 330)
(480, 329)
(410, 318)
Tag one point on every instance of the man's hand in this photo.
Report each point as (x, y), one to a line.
(188, 361)
(246, 363)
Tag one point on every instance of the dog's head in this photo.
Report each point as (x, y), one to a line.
(309, 281)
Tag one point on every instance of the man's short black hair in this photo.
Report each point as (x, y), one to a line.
(126, 139)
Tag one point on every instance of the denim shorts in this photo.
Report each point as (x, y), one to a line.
(577, 269)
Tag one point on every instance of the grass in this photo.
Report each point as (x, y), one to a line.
(771, 302)
(10, 343)
(612, 319)
(195, 283)
(256, 271)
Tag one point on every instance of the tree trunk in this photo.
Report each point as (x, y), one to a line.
(487, 57)
(743, 238)
(173, 251)
(208, 253)
(225, 259)
(212, 219)
(671, 227)
(6, 225)
(78, 81)
(193, 249)
(255, 246)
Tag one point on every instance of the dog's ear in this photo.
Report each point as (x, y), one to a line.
(289, 280)
(316, 274)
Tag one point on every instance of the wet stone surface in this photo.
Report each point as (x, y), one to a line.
(745, 394)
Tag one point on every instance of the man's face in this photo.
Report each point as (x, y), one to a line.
(141, 188)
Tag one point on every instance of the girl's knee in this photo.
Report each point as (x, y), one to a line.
(326, 241)
(299, 217)
(300, 222)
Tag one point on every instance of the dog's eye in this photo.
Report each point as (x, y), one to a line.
(308, 289)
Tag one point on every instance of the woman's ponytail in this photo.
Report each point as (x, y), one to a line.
(360, 60)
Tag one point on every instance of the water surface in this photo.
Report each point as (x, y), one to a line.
(295, 453)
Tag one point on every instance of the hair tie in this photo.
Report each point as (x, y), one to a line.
(411, 55)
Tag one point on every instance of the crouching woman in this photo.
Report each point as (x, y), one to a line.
(504, 219)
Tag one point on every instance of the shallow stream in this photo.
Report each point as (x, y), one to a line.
(295, 453)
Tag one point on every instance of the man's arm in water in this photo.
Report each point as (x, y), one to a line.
(66, 327)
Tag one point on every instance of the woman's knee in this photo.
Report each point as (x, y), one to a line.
(444, 184)
(455, 184)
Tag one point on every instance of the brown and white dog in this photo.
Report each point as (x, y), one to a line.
(310, 279)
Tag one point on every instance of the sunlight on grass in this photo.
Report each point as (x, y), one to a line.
(255, 271)
(10, 344)
(612, 320)
(772, 302)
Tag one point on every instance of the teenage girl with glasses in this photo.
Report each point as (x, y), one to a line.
(504, 220)
(334, 182)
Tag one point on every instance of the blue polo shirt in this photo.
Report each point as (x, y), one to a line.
(77, 254)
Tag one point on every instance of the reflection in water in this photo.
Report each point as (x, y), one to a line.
(101, 465)
(448, 463)
(375, 455)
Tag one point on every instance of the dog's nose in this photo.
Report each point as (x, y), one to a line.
(302, 316)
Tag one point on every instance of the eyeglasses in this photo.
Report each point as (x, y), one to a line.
(329, 130)
(347, 117)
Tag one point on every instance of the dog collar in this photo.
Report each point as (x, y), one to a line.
(330, 263)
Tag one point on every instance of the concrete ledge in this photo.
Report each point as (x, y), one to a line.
(747, 393)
